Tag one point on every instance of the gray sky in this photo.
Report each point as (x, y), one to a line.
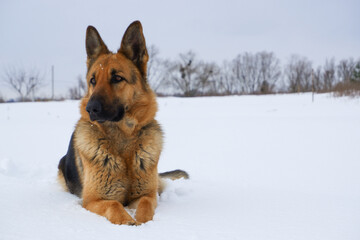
(43, 33)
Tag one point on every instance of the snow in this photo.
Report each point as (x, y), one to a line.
(261, 167)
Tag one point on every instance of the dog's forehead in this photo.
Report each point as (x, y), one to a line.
(108, 63)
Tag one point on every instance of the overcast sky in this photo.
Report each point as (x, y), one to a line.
(44, 33)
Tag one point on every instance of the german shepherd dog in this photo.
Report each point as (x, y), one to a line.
(114, 150)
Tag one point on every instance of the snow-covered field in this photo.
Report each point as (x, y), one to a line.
(262, 167)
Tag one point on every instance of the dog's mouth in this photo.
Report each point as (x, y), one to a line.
(119, 115)
(99, 121)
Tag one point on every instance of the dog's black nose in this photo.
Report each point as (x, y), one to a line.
(94, 109)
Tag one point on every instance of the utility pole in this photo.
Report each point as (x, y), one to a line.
(52, 81)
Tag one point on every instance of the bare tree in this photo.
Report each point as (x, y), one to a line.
(237, 76)
(329, 78)
(227, 79)
(245, 73)
(250, 72)
(345, 69)
(298, 74)
(153, 53)
(183, 74)
(318, 79)
(191, 77)
(270, 71)
(158, 73)
(356, 72)
(23, 82)
(254, 73)
(208, 75)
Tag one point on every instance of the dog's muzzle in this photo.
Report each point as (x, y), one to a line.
(98, 112)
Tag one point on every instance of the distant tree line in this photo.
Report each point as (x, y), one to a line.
(247, 73)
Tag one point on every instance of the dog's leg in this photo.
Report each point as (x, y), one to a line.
(113, 210)
(146, 208)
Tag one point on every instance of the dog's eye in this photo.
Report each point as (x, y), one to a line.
(117, 79)
(92, 81)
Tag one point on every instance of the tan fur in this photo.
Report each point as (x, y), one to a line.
(173, 175)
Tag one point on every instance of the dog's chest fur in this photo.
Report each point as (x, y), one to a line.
(118, 167)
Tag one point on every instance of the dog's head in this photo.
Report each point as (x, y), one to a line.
(117, 84)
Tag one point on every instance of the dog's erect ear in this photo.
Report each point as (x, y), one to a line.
(94, 45)
(133, 46)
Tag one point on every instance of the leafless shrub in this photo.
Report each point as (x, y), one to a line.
(78, 90)
(351, 89)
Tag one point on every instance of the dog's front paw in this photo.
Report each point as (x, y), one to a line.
(124, 221)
